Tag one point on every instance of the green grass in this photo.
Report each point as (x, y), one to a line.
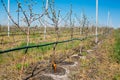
(44, 49)
(39, 49)
(19, 66)
(24, 44)
(116, 54)
(1, 59)
(35, 36)
(116, 77)
(37, 53)
(84, 53)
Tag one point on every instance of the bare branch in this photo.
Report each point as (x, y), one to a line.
(11, 16)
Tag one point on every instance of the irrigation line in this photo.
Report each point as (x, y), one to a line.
(47, 44)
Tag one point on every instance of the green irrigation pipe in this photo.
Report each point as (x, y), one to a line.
(41, 45)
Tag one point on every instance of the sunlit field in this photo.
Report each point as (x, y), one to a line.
(53, 40)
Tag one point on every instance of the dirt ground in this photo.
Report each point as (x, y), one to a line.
(96, 65)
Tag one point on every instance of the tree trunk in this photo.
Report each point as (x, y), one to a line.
(28, 38)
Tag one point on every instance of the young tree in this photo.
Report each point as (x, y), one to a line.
(83, 23)
(54, 16)
(71, 22)
(28, 17)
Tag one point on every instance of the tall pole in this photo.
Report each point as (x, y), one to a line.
(45, 19)
(71, 21)
(81, 23)
(8, 18)
(108, 20)
(96, 21)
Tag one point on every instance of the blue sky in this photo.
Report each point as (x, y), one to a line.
(78, 5)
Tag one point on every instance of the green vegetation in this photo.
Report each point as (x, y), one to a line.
(116, 77)
(1, 58)
(84, 53)
(116, 54)
(61, 46)
(19, 66)
(24, 44)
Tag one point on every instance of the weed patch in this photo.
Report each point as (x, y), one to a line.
(116, 54)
